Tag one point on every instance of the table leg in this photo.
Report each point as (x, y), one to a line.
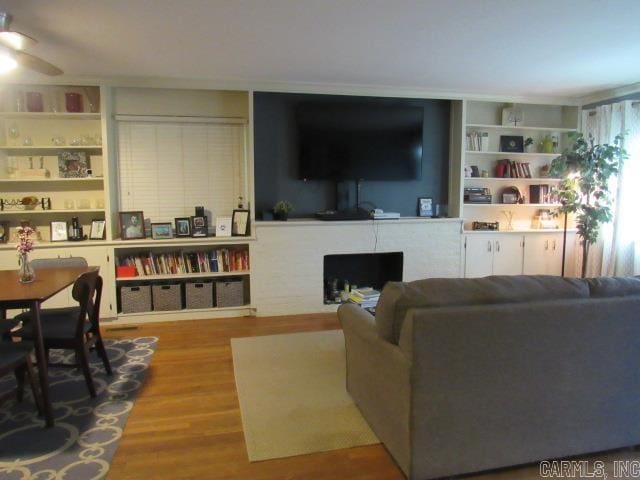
(41, 358)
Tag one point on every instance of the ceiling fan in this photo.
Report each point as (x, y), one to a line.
(12, 46)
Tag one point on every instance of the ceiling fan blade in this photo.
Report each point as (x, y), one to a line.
(16, 40)
(35, 63)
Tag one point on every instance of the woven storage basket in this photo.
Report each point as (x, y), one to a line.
(166, 297)
(230, 293)
(135, 298)
(198, 294)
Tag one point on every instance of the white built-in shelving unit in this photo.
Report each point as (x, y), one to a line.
(524, 248)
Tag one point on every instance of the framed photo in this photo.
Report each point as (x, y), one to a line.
(161, 230)
(73, 165)
(131, 225)
(97, 229)
(183, 227)
(223, 226)
(512, 117)
(4, 232)
(59, 232)
(240, 223)
(513, 144)
(425, 207)
(199, 227)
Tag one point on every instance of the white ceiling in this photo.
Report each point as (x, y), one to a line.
(513, 47)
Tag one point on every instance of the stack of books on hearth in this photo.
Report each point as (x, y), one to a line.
(366, 297)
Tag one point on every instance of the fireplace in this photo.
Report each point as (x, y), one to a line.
(360, 270)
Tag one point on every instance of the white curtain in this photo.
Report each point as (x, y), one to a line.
(618, 249)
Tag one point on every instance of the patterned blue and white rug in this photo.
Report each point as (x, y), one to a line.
(87, 430)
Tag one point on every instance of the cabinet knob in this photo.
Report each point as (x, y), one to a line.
(497, 246)
(554, 245)
(546, 244)
(489, 246)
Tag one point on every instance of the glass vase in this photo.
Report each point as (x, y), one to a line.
(25, 273)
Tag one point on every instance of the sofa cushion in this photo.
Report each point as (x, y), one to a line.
(614, 286)
(398, 297)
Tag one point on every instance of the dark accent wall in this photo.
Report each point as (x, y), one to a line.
(276, 160)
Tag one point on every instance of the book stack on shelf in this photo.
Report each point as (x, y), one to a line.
(543, 194)
(478, 141)
(511, 169)
(366, 297)
(176, 263)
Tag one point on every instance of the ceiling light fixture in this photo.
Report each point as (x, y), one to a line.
(12, 39)
(7, 62)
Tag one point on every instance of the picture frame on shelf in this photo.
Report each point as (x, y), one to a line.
(131, 225)
(183, 226)
(425, 207)
(97, 231)
(5, 229)
(223, 226)
(512, 143)
(512, 117)
(240, 222)
(199, 227)
(161, 231)
(59, 232)
(73, 165)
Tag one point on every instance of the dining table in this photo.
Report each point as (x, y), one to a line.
(16, 295)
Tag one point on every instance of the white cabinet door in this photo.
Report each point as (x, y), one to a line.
(543, 254)
(554, 255)
(100, 257)
(507, 254)
(536, 247)
(63, 298)
(478, 256)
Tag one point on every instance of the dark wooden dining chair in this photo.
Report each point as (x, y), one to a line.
(16, 357)
(75, 329)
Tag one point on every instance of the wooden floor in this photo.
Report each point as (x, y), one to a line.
(186, 421)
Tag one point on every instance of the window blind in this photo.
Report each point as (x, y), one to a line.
(168, 168)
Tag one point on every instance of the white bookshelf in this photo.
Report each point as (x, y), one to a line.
(539, 121)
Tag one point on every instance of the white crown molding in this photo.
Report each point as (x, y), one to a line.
(288, 87)
(608, 94)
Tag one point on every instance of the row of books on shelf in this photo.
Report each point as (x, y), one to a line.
(366, 297)
(512, 169)
(218, 260)
(478, 141)
(544, 194)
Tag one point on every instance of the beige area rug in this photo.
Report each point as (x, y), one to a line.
(292, 394)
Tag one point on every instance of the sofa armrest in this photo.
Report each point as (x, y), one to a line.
(378, 380)
(356, 321)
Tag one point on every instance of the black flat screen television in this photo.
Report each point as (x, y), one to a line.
(352, 141)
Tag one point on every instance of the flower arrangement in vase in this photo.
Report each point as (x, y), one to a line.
(24, 246)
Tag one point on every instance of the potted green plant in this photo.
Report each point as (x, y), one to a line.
(586, 170)
(281, 210)
(528, 144)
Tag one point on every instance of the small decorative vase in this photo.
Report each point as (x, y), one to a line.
(26, 273)
(547, 144)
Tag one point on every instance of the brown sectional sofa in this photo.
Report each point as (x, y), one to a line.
(463, 375)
